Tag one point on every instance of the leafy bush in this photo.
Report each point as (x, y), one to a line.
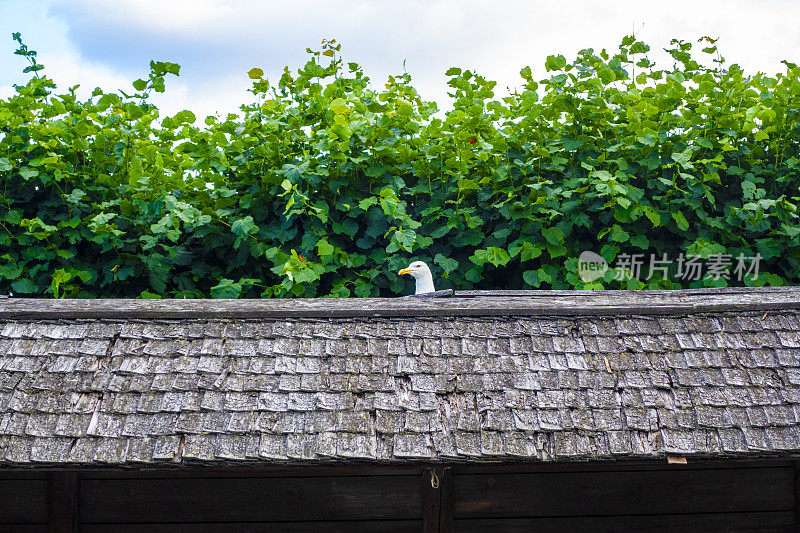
(326, 185)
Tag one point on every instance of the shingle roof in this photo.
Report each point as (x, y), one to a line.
(508, 377)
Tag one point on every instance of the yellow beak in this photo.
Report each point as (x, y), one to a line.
(405, 271)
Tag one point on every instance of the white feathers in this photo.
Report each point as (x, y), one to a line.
(422, 275)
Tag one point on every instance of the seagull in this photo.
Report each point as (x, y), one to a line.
(422, 275)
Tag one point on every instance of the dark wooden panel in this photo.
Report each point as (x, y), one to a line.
(24, 528)
(207, 471)
(611, 493)
(22, 474)
(250, 499)
(446, 513)
(768, 522)
(23, 502)
(796, 467)
(431, 501)
(63, 504)
(375, 526)
(620, 466)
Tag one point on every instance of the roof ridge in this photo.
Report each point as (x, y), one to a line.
(468, 303)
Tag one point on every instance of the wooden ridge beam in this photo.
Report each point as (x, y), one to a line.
(542, 303)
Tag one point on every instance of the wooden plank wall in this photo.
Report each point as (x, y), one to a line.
(592, 497)
(350, 500)
(666, 498)
(24, 501)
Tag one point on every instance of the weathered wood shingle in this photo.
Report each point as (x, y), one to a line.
(538, 386)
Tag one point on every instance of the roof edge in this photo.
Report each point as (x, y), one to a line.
(468, 303)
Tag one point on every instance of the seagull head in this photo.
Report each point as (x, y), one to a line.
(422, 275)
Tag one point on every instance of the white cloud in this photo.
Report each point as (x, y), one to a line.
(217, 41)
(183, 16)
(68, 68)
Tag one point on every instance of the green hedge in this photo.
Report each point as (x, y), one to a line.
(326, 184)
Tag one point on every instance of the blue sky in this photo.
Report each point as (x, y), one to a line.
(110, 43)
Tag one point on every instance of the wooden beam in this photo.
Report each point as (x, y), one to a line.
(797, 495)
(653, 292)
(242, 499)
(446, 512)
(445, 293)
(63, 502)
(543, 303)
(654, 492)
(430, 499)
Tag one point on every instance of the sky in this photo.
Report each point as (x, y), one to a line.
(110, 43)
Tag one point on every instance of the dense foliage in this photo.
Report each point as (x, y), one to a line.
(327, 185)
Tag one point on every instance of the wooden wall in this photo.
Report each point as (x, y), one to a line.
(23, 501)
(734, 496)
(666, 498)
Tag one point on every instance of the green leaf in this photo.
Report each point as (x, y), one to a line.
(339, 106)
(448, 264)
(556, 62)
(28, 173)
(603, 175)
(530, 251)
(75, 196)
(10, 272)
(791, 231)
(653, 215)
(59, 276)
(648, 139)
(556, 250)
(226, 288)
(553, 235)
(531, 277)
(24, 286)
(244, 226)
(255, 73)
(618, 234)
(405, 239)
(468, 185)
(493, 254)
(147, 295)
(367, 202)
(640, 241)
(324, 248)
(683, 158)
(185, 116)
(348, 227)
(362, 288)
(680, 220)
(749, 190)
(440, 232)
(158, 268)
(473, 275)
(705, 249)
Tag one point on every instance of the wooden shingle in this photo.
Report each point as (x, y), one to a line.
(545, 376)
